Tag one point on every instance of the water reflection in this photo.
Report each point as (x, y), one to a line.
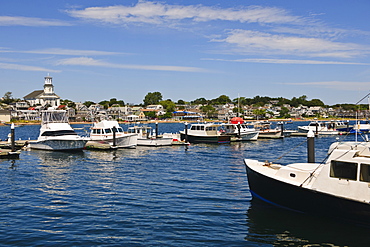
(279, 227)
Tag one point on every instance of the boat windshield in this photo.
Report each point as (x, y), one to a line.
(57, 116)
(59, 133)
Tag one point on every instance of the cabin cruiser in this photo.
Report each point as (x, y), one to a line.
(338, 188)
(109, 132)
(204, 133)
(323, 128)
(266, 132)
(239, 131)
(56, 133)
(147, 137)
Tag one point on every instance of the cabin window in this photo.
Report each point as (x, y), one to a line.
(365, 173)
(107, 131)
(119, 129)
(94, 131)
(98, 131)
(343, 170)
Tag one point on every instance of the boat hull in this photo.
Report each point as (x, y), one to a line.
(156, 142)
(123, 141)
(207, 139)
(58, 145)
(306, 200)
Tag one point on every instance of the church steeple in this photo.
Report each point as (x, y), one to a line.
(48, 86)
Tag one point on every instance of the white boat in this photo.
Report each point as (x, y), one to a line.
(323, 128)
(338, 188)
(266, 132)
(362, 126)
(204, 133)
(109, 132)
(146, 137)
(56, 133)
(240, 131)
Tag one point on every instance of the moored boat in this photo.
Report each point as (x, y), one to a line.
(146, 137)
(109, 132)
(56, 133)
(204, 133)
(323, 128)
(239, 131)
(338, 188)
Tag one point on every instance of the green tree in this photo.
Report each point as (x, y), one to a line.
(150, 114)
(208, 110)
(89, 103)
(200, 101)
(68, 103)
(260, 113)
(168, 105)
(284, 112)
(152, 98)
(8, 98)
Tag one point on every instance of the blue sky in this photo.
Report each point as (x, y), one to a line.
(98, 50)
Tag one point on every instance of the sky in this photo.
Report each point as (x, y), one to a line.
(123, 49)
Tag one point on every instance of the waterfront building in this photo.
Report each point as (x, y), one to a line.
(45, 97)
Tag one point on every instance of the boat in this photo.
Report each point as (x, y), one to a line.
(239, 131)
(266, 132)
(204, 133)
(337, 188)
(56, 133)
(362, 126)
(147, 137)
(323, 128)
(110, 133)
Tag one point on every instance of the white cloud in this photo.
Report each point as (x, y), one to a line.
(25, 67)
(157, 13)
(264, 43)
(86, 61)
(285, 61)
(60, 51)
(30, 22)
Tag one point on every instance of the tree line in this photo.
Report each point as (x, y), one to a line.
(156, 98)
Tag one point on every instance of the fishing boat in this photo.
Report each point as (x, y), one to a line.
(337, 188)
(266, 131)
(240, 131)
(323, 128)
(56, 133)
(148, 137)
(204, 133)
(110, 133)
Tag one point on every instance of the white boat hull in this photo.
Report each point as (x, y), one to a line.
(58, 145)
(154, 141)
(122, 141)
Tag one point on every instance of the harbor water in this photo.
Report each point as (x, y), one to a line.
(163, 196)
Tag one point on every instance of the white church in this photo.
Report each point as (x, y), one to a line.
(45, 97)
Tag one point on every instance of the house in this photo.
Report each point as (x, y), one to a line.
(45, 97)
(5, 116)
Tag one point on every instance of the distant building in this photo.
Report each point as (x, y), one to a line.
(45, 97)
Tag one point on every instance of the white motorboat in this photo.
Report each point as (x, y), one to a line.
(266, 132)
(240, 131)
(322, 128)
(56, 133)
(204, 133)
(146, 137)
(338, 188)
(109, 132)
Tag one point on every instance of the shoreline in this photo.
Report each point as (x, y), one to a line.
(182, 121)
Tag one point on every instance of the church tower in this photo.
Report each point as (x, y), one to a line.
(48, 86)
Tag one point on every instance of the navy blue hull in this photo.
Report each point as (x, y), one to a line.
(207, 139)
(307, 201)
